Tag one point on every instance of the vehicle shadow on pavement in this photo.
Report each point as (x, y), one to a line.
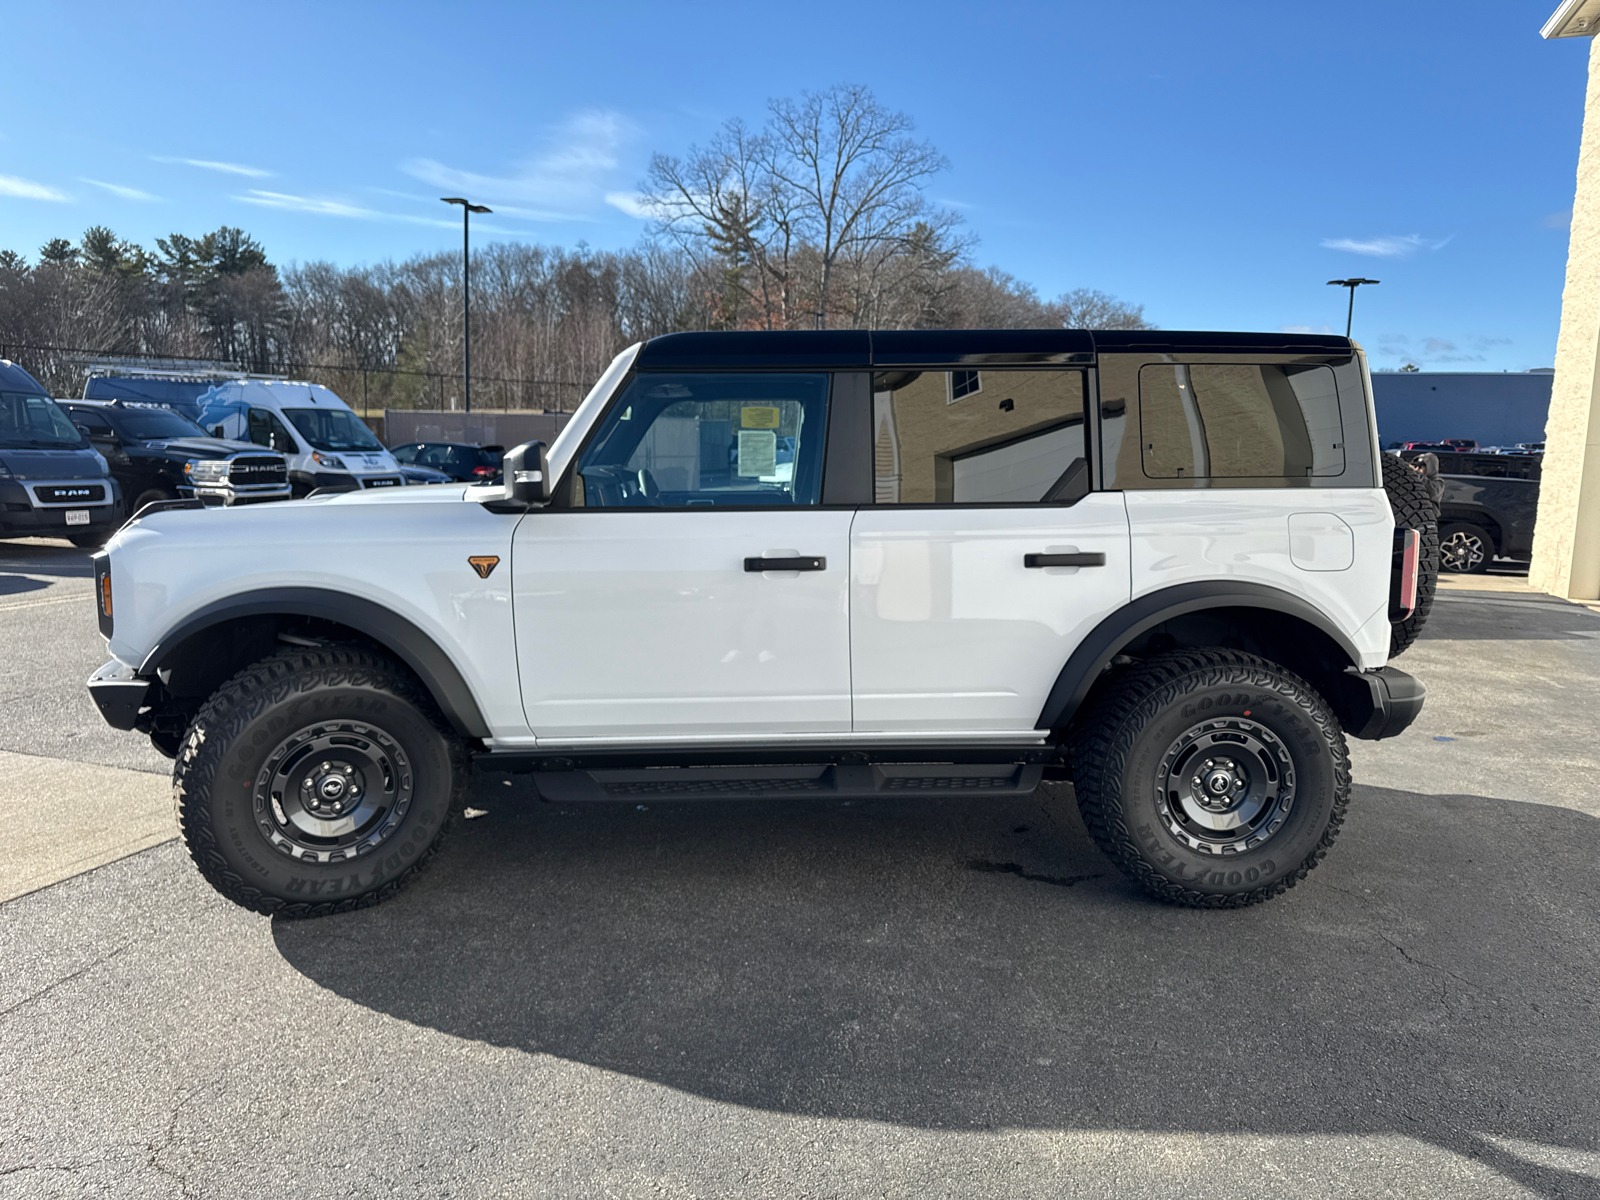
(1509, 616)
(961, 965)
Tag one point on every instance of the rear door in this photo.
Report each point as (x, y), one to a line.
(695, 588)
(985, 558)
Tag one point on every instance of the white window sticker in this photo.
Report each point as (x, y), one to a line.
(758, 452)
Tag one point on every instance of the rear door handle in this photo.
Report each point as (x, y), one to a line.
(1095, 559)
(788, 564)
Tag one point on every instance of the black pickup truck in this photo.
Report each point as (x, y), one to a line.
(1486, 507)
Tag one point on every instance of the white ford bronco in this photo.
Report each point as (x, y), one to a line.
(1170, 567)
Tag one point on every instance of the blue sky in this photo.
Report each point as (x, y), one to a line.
(1216, 163)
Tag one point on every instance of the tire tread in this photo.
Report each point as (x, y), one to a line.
(242, 699)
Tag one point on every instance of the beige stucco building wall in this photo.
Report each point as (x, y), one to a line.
(1566, 543)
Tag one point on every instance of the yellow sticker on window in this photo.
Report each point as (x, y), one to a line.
(758, 417)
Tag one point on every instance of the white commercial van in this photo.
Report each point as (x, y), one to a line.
(325, 443)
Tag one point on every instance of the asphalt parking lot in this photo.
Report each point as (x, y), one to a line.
(907, 999)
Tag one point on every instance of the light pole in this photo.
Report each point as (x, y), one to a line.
(1352, 284)
(467, 209)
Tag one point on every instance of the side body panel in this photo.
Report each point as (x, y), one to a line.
(950, 630)
(405, 550)
(643, 625)
(1288, 538)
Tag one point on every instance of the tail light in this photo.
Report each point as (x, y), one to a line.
(1408, 556)
(484, 472)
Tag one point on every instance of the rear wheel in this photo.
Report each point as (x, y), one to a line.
(1465, 549)
(1212, 778)
(317, 781)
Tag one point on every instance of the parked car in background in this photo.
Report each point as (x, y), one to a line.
(1487, 505)
(326, 444)
(460, 461)
(423, 475)
(53, 483)
(157, 454)
(1464, 445)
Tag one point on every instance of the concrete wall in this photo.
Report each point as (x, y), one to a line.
(1566, 545)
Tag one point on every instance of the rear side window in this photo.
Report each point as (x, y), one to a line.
(1239, 421)
(978, 437)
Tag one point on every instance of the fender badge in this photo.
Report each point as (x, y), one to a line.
(484, 564)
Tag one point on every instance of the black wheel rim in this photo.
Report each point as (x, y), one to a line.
(333, 791)
(1461, 552)
(1225, 785)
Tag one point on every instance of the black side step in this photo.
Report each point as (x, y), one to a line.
(815, 780)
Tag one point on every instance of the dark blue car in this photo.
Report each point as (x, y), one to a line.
(52, 482)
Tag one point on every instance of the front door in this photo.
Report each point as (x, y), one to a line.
(985, 559)
(692, 589)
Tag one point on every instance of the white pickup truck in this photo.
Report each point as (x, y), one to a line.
(1166, 566)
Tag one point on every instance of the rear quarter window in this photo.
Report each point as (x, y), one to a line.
(1244, 421)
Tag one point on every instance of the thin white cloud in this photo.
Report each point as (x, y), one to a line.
(117, 189)
(306, 204)
(1385, 247)
(631, 203)
(1558, 220)
(227, 168)
(27, 189)
(559, 184)
(325, 207)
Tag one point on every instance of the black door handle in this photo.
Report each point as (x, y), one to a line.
(785, 564)
(1095, 559)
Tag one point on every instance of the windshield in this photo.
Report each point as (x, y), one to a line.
(332, 428)
(30, 422)
(149, 424)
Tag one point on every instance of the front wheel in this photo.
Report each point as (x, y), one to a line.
(317, 781)
(1212, 778)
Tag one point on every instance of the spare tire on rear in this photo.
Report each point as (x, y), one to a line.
(1411, 498)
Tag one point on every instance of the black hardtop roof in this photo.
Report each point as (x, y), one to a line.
(864, 348)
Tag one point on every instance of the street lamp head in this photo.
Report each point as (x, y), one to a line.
(1350, 283)
(466, 204)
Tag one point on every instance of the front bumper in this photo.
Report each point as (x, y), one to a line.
(1373, 705)
(21, 517)
(119, 694)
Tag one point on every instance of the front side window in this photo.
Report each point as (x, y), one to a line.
(264, 429)
(1016, 437)
(332, 428)
(1239, 421)
(32, 422)
(685, 441)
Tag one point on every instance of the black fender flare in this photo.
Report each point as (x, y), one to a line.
(1108, 638)
(389, 629)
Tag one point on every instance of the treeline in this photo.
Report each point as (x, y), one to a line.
(820, 220)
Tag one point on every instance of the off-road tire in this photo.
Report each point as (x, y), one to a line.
(1117, 761)
(1459, 542)
(1414, 508)
(230, 745)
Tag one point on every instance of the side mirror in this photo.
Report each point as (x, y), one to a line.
(526, 470)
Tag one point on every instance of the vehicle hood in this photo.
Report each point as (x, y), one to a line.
(376, 497)
(53, 464)
(207, 447)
